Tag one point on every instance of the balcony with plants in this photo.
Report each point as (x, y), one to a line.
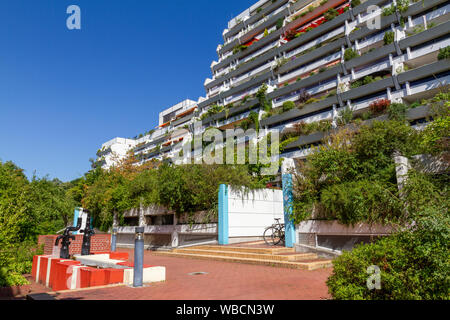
(303, 48)
(300, 139)
(425, 46)
(255, 18)
(314, 16)
(274, 44)
(247, 38)
(308, 69)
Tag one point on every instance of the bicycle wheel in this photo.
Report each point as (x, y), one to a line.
(268, 235)
(277, 236)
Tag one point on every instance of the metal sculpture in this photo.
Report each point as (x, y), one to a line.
(87, 234)
(65, 240)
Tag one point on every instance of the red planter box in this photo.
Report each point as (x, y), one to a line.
(63, 273)
(92, 277)
(114, 276)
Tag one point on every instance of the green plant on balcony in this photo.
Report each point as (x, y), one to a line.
(444, 53)
(365, 81)
(389, 10)
(350, 54)
(253, 119)
(239, 48)
(388, 37)
(355, 3)
(402, 6)
(379, 106)
(330, 94)
(323, 2)
(280, 23)
(311, 100)
(290, 34)
(345, 116)
(397, 111)
(303, 97)
(417, 29)
(264, 103)
(287, 106)
(331, 14)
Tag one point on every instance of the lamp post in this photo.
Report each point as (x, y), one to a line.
(138, 257)
(113, 240)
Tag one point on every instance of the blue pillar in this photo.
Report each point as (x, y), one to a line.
(288, 201)
(223, 214)
(113, 240)
(138, 258)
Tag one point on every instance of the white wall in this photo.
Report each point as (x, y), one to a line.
(250, 214)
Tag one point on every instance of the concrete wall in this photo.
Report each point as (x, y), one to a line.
(249, 214)
(336, 237)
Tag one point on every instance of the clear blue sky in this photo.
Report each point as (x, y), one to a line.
(63, 93)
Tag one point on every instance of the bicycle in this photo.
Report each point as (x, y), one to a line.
(274, 234)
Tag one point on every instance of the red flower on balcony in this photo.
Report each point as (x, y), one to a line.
(379, 106)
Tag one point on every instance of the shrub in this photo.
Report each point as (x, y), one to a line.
(414, 264)
(239, 48)
(444, 53)
(397, 111)
(350, 54)
(388, 37)
(303, 96)
(288, 105)
(345, 116)
(280, 23)
(16, 260)
(264, 103)
(435, 136)
(331, 14)
(389, 10)
(379, 106)
(355, 3)
(360, 201)
(290, 34)
(311, 100)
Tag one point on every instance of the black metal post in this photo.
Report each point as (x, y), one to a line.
(87, 234)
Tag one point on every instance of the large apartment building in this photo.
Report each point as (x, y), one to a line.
(311, 60)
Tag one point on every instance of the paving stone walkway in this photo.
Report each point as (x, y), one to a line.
(223, 281)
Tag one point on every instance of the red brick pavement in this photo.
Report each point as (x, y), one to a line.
(224, 281)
